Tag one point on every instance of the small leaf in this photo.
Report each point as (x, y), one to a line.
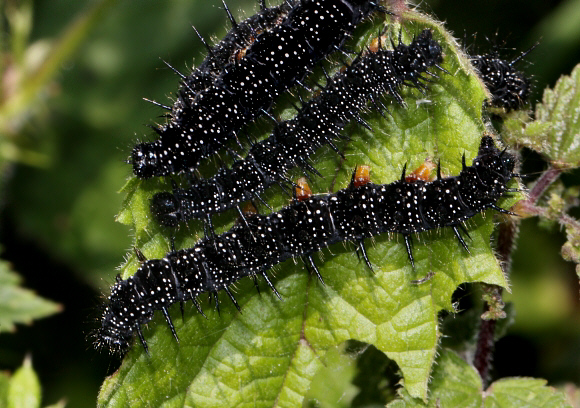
(523, 392)
(24, 388)
(556, 128)
(18, 305)
(456, 383)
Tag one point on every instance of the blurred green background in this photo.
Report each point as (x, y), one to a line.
(59, 190)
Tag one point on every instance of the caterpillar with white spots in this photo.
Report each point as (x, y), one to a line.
(310, 223)
(509, 88)
(319, 122)
(230, 49)
(246, 88)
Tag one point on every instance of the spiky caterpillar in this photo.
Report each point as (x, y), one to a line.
(277, 60)
(319, 122)
(309, 224)
(230, 49)
(509, 87)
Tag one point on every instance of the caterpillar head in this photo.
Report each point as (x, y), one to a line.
(111, 339)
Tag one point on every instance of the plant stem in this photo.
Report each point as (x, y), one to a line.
(542, 184)
(484, 349)
(564, 220)
(493, 306)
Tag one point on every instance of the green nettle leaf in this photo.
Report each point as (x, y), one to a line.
(19, 305)
(523, 392)
(456, 383)
(557, 126)
(24, 388)
(268, 354)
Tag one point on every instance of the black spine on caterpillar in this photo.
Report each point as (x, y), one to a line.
(509, 87)
(357, 212)
(318, 123)
(277, 60)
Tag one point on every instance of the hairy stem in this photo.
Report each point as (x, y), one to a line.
(543, 183)
(564, 219)
(484, 351)
(493, 306)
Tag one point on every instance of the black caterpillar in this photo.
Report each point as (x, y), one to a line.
(319, 122)
(274, 62)
(509, 87)
(230, 49)
(309, 224)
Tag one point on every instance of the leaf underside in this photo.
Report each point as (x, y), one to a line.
(268, 354)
